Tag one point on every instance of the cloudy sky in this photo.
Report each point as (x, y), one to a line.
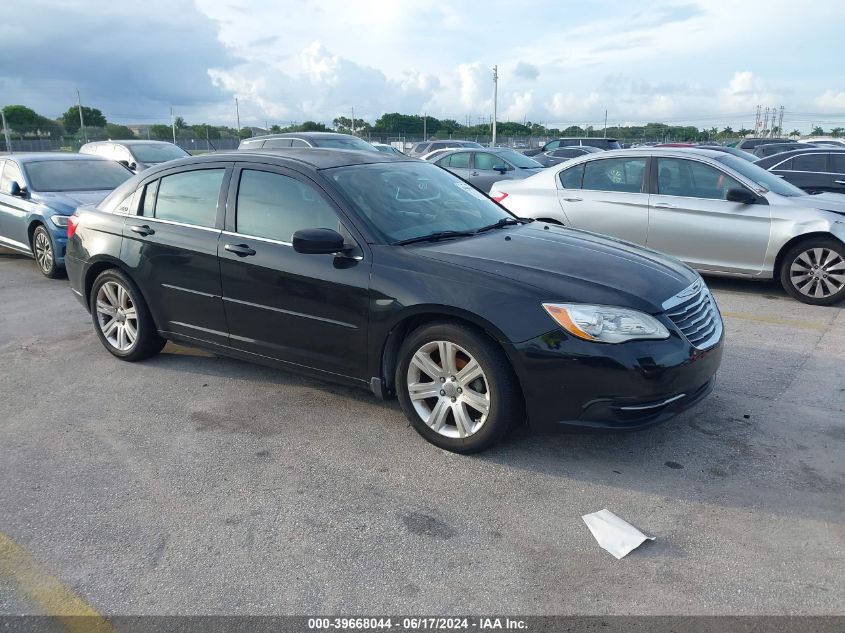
(561, 62)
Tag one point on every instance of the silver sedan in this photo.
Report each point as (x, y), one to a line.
(718, 213)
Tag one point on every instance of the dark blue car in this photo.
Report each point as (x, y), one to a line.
(37, 194)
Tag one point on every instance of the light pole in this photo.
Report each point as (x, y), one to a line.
(238, 115)
(81, 120)
(495, 100)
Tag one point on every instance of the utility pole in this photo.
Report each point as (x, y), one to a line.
(780, 122)
(81, 120)
(766, 123)
(757, 121)
(425, 126)
(6, 132)
(605, 124)
(495, 101)
(353, 121)
(238, 116)
(173, 124)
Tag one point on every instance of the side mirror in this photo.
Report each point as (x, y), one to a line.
(16, 190)
(125, 163)
(500, 168)
(133, 167)
(318, 241)
(738, 194)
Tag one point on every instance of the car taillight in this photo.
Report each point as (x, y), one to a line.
(499, 197)
(72, 222)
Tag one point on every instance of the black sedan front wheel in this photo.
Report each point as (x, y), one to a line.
(457, 387)
(814, 271)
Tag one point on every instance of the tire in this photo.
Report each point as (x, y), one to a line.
(456, 407)
(45, 253)
(813, 271)
(118, 310)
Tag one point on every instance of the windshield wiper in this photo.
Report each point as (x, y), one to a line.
(431, 237)
(500, 224)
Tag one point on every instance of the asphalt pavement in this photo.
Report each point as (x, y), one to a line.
(196, 484)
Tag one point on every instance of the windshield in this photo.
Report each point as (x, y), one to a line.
(519, 160)
(467, 144)
(155, 153)
(400, 201)
(344, 143)
(75, 175)
(765, 179)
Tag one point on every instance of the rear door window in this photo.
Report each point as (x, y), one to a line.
(837, 163)
(489, 162)
(615, 174)
(190, 197)
(459, 160)
(571, 178)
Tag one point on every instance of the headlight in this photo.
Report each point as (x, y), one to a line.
(59, 220)
(605, 324)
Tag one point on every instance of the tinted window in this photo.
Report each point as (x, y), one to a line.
(75, 175)
(190, 197)
(571, 178)
(810, 162)
(602, 143)
(488, 162)
(421, 148)
(691, 179)
(155, 153)
(276, 206)
(149, 203)
(519, 160)
(759, 175)
(458, 161)
(615, 174)
(341, 142)
(567, 153)
(837, 163)
(11, 174)
(277, 143)
(296, 142)
(784, 165)
(552, 145)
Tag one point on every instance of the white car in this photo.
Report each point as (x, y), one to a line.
(718, 213)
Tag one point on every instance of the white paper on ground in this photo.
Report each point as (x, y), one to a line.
(613, 534)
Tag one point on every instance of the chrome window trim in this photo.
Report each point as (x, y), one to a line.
(144, 219)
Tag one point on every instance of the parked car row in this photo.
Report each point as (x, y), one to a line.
(402, 277)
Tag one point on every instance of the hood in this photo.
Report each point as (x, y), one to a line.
(570, 265)
(826, 201)
(65, 202)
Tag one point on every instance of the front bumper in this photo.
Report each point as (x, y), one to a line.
(575, 383)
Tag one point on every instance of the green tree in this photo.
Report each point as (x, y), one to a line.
(24, 121)
(817, 131)
(795, 133)
(161, 132)
(837, 131)
(275, 129)
(179, 122)
(118, 132)
(93, 118)
(744, 131)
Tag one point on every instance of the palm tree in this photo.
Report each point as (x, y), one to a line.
(795, 133)
(837, 131)
(728, 131)
(817, 131)
(744, 131)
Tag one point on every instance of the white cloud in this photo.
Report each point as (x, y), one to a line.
(831, 101)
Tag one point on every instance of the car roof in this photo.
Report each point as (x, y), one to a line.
(782, 156)
(315, 158)
(31, 157)
(299, 135)
(131, 141)
(652, 151)
(585, 138)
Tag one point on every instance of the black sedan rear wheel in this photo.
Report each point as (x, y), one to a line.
(457, 387)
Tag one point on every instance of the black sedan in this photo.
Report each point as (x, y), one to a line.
(813, 169)
(392, 274)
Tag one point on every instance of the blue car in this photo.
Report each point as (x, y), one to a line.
(37, 194)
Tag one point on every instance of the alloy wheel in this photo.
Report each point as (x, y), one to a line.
(117, 316)
(818, 272)
(43, 251)
(448, 389)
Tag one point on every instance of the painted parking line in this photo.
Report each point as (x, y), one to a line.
(46, 592)
(802, 325)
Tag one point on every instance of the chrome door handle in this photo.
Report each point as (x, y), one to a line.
(475, 173)
(241, 250)
(142, 229)
(664, 205)
(573, 199)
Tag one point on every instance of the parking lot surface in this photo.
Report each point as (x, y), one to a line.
(196, 484)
